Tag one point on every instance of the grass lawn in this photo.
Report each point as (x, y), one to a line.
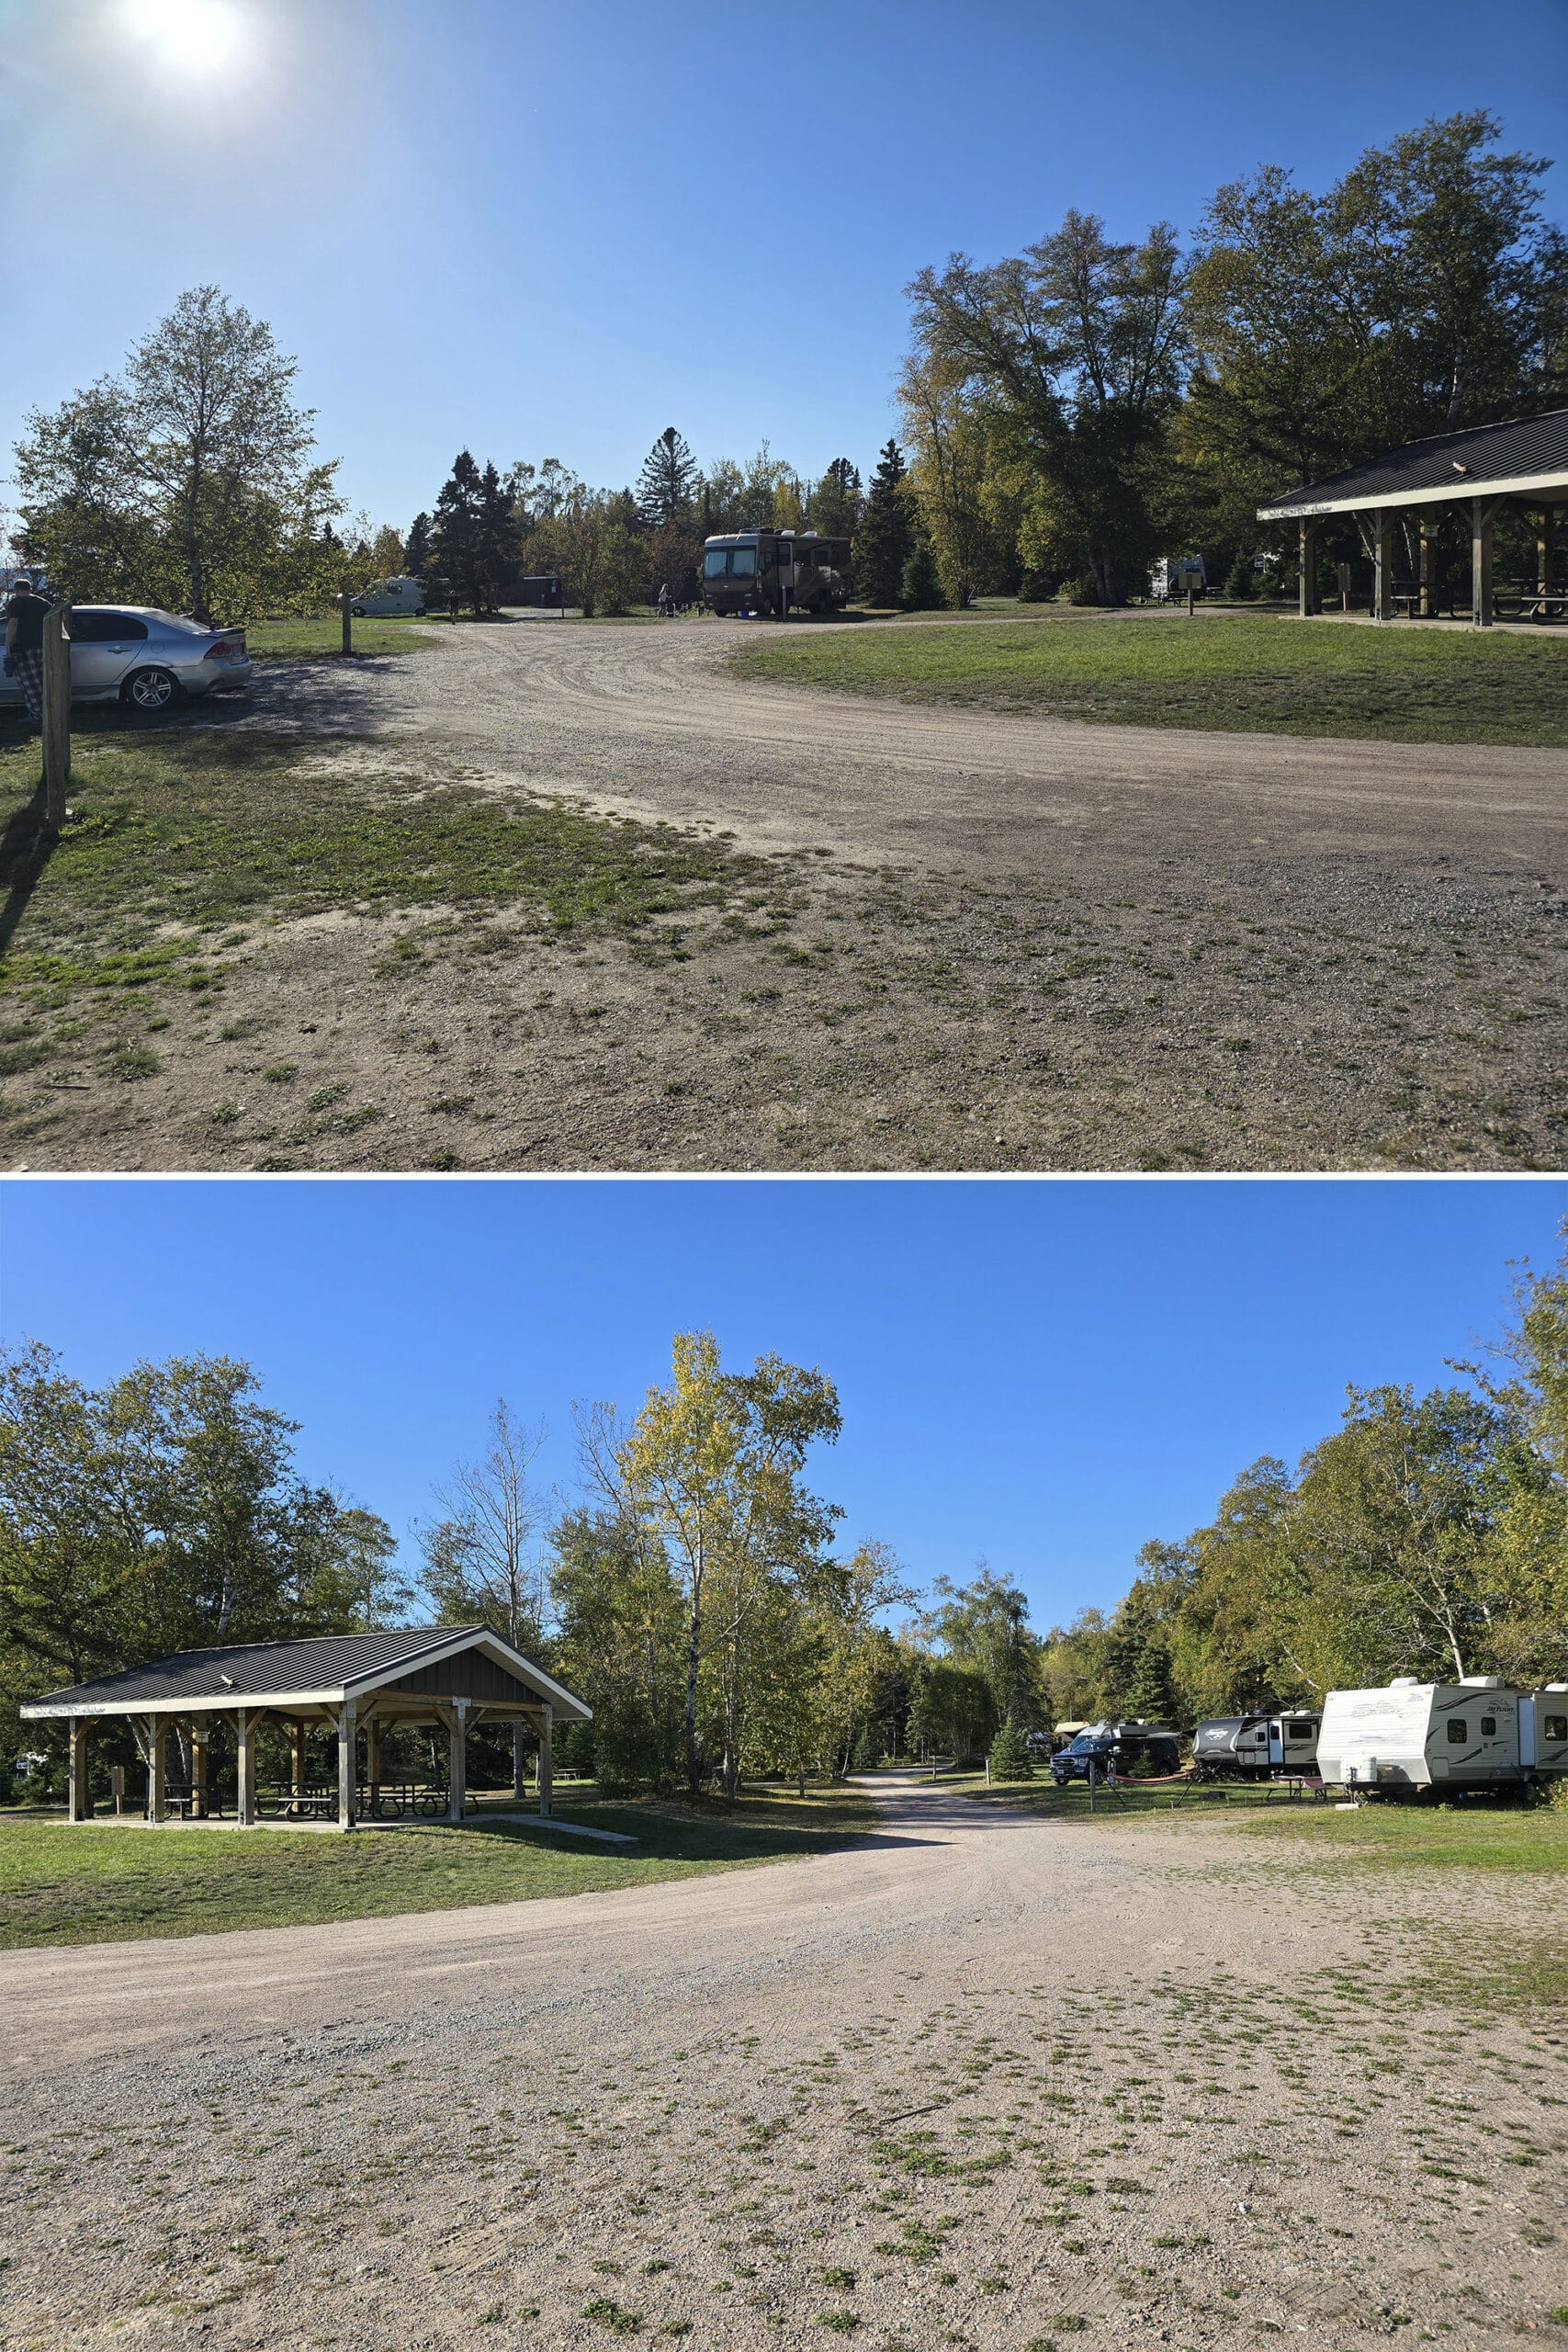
(1253, 673)
(321, 638)
(107, 1883)
(178, 833)
(1502, 1838)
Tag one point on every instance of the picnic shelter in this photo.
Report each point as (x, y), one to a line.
(1400, 501)
(357, 1685)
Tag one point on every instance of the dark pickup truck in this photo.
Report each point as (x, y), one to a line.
(1135, 1751)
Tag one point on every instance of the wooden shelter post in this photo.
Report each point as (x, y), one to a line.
(1380, 598)
(457, 1772)
(157, 1767)
(198, 1767)
(347, 1772)
(245, 1721)
(547, 1764)
(1482, 510)
(1428, 566)
(1309, 599)
(373, 1764)
(78, 1795)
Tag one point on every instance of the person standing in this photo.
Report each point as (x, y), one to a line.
(24, 645)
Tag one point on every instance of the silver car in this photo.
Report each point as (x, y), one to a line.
(135, 654)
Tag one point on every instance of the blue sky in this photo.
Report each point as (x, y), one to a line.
(1045, 1373)
(552, 227)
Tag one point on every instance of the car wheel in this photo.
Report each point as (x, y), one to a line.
(152, 690)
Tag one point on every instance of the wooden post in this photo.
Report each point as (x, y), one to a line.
(1429, 565)
(457, 1766)
(347, 624)
(373, 1765)
(1545, 537)
(78, 1796)
(547, 1764)
(56, 715)
(198, 1767)
(1307, 601)
(518, 1736)
(1480, 512)
(299, 1733)
(157, 1767)
(245, 1730)
(1191, 592)
(347, 1773)
(1380, 598)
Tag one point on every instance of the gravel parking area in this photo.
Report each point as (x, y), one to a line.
(986, 942)
(981, 2081)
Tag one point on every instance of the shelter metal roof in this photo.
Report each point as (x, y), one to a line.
(330, 1668)
(1528, 454)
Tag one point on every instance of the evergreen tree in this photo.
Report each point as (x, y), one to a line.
(456, 533)
(1010, 1758)
(920, 590)
(496, 554)
(416, 549)
(668, 483)
(867, 1751)
(1239, 588)
(835, 505)
(887, 537)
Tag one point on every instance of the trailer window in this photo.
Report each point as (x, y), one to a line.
(1298, 1731)
(1488, 1727)
(743, 563)
(1555, 1728)
(1458, 1731)
(716, 563)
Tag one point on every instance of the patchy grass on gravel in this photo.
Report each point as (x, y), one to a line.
(1248, 674)
(106, 1882)
(177, 834)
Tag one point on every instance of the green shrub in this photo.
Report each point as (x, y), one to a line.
(1240, 587)
(1009, 1755)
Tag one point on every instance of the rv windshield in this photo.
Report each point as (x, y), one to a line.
(739, 563)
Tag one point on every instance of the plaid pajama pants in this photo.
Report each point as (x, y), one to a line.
(29, 670)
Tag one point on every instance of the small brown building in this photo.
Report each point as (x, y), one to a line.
(358, 1684)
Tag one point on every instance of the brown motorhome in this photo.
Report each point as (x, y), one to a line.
(774, 573)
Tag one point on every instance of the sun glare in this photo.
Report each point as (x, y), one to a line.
(187, 36)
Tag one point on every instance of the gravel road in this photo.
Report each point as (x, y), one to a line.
(979, 2081)
(646, 720)
(976, 943)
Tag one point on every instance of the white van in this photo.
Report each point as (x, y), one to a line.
(390, 596)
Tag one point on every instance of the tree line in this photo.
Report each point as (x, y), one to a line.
(1078, 408)
(692, 1587)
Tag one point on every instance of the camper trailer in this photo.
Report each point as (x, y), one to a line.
(775, 572)
(1543, 1731)
(1479, 1733)
(389, 596)
(1254, 1748)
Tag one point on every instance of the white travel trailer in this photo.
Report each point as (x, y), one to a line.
(1543, 1731)
(390, 596)
(1476, 1734)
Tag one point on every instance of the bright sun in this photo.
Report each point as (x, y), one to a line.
(187, 36)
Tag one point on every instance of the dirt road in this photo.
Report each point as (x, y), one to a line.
(982, 2080)
(968, 943)
(644, 719)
